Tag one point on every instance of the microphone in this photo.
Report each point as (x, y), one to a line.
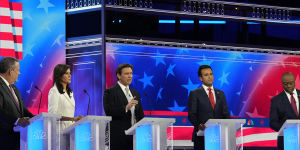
(36, 87)
(149, 103)
(87, 112)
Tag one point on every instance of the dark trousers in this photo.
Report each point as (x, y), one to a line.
(120, 141)
(9, 140)
(280, 143)
(199, 143)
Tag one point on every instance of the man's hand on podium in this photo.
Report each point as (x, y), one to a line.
(202, 127)
(23, 122)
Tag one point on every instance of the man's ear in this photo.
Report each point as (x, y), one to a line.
(200, 78)
(118, 76)
(9, 71)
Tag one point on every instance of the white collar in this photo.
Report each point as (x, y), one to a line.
(294, 92)
(206, 87)
(5, 81)
(122, 86)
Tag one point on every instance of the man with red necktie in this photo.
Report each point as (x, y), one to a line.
(284, 105)
(205, 103)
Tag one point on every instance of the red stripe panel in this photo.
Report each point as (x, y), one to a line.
(7, 52)
(254, 130)
(35, 110)
(181, 133)
(19, 55)
(4, 3)
(6, 36)
(269, 143)
(5, 20)
(15, 6)
(17, 22)
(18, 38)
(166, 113)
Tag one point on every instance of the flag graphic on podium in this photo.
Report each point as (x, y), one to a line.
(11, 25)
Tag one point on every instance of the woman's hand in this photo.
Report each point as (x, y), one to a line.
(77, 118)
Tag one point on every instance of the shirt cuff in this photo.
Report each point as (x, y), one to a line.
(16, 123)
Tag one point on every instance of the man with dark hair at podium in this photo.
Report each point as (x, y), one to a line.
(205, 103)
(12, 110)
(123, 104)
(284, 106)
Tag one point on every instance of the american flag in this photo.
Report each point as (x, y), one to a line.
(11, 35)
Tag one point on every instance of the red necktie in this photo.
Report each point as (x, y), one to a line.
(211, 98)
(293, 103)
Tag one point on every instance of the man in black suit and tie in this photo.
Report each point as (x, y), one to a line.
(284, 106)
(12, 110)
(205, 103)
(124, 105)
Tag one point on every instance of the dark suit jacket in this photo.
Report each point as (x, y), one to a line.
(115, 101)
(281, 110)
(9, 113)
(200, 109)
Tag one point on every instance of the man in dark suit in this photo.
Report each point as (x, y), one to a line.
(205, 103)
(12, 110)
(284, 106)
(124, 105)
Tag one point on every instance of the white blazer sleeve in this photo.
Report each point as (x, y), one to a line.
(53, 98)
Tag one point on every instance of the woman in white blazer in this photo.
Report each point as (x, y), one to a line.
(60, 97)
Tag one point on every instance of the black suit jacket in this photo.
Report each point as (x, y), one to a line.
(281, 110)
(115, 101)
(200, 109)
(9, 113)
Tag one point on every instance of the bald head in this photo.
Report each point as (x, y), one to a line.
(288, 82)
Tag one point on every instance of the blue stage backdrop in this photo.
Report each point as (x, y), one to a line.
(168, 74)
(43, 48)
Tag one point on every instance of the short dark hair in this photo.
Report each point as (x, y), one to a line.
(121, 66)
(287, 74)
(201, 68)
(7, 63)
(59, 71)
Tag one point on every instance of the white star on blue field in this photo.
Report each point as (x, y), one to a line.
(159, 59)
(223, 79)
(205, 61)
(146, 80)
(159, 94)
(176, 107)
(190, 86)
(170, 70)
(45, 4)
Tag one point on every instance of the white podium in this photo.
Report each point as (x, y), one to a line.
(290, 132)
(151, 134)
(88, 133)
(220, 134)
(42, 133)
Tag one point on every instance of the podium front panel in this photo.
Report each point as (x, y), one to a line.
(212, 138)
(36, 135)
(83, 136)
(291, 141)
(143, 137)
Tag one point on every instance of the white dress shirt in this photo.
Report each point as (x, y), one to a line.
(207, 91)
(295, 95)
(133, 120)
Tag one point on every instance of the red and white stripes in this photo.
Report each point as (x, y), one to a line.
(11, 24)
